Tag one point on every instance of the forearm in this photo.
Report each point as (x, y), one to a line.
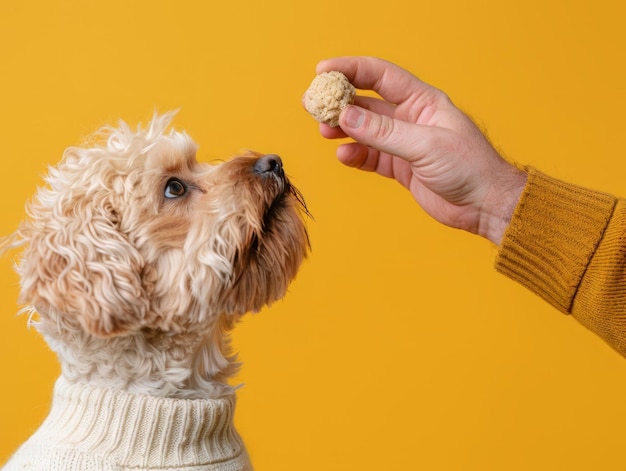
(566, 244)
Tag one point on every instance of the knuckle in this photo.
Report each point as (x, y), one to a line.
(381, 129)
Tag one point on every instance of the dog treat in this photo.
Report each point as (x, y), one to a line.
(328, 94)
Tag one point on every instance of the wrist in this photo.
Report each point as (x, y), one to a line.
(499, 205)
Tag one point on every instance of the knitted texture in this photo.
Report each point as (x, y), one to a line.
(97, 429)
(568, 245)
(600, 304)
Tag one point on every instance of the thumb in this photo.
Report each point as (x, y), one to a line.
(393, 136)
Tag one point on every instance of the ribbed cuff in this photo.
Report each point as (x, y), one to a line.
(552, 236)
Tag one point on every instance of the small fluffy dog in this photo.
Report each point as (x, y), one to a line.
(138, 260)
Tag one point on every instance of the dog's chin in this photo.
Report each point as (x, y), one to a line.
(265, 267)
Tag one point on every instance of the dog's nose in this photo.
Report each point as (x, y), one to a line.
(269, 164)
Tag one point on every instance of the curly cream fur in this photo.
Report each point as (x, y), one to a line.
(137, 291)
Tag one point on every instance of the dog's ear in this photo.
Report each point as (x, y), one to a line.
(78, 263)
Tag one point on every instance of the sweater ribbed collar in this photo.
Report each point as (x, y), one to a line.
(141, 431)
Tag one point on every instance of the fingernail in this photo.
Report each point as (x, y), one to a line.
(354, 116)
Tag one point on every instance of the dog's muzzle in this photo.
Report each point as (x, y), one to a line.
(271, 166)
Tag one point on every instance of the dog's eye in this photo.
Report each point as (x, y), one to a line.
(174, 188)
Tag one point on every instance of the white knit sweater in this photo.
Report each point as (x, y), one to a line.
(101, 429)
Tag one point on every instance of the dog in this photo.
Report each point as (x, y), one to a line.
(137, 262)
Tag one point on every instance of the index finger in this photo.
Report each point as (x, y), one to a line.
(391, 82)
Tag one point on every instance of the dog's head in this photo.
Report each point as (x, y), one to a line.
(135, 235)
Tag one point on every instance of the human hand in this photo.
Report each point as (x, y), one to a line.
(415, 134)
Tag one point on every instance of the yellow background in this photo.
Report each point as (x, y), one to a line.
(398, 346)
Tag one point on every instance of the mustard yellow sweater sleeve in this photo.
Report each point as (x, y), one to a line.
(568, 245)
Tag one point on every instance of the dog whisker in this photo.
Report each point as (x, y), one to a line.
(297, 194)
